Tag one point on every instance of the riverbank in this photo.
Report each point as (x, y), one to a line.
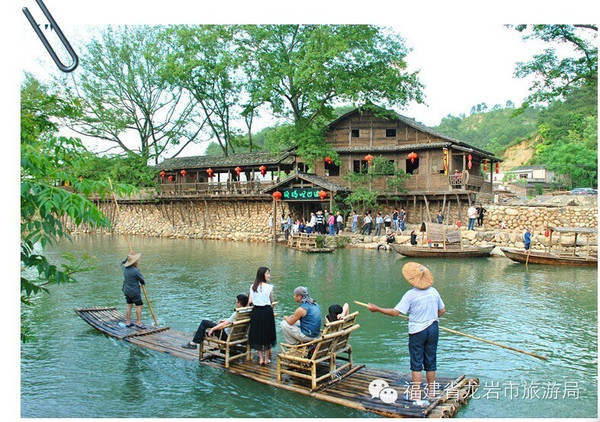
(249, 222)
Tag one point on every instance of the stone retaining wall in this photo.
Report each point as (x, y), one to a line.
(249, 221)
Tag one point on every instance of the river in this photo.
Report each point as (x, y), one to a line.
(71, 370)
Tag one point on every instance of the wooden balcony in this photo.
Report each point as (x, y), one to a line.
(213, 189)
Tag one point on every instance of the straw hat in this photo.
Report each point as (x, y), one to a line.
(132, 258)
(417, 275)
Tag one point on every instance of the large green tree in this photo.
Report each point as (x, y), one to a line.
(303, 71)
(125, 101)
(46, 165)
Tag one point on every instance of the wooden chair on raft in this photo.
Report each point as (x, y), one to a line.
(302, 360)
(236, 345)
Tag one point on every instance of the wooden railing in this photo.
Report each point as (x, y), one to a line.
(213, 188)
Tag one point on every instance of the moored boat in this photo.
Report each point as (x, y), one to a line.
(563, 255)
(539, 257)
(426, 252)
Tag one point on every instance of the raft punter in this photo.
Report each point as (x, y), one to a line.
(131, 288)
(424, 307)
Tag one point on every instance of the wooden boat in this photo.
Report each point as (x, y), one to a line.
(538, 257)
(450, 244)
(562, 255)
(426, 252)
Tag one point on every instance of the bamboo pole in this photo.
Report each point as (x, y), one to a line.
(474, 337)
(131, 251)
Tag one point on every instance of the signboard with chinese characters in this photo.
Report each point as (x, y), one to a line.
(300, 194)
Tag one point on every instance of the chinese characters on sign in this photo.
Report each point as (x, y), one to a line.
(299, 194)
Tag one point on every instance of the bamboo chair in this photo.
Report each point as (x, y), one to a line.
(301, 360)
(236, 345)
(341, 345)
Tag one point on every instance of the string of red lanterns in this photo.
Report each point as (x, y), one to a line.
(497, 167)
(469, 163)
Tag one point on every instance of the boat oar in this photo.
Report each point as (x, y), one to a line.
(131, 251)
(474, 337)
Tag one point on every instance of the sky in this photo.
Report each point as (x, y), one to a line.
(463, 52)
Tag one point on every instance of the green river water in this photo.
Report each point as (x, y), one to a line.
(71, 370)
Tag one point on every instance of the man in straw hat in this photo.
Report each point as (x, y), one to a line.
(131, 288)
(424, 306)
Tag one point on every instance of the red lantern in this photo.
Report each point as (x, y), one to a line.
(277, 195)
(547, 233)
(413, 156)
(210, 172)
(368, 158)
(183, 172)
(322, 194)
(459, 223)
(238, 170)
(484, 165)
(470, 164)
(263, 170)
(328, 160)
(497, 168)
(170, 178)
(163, 174)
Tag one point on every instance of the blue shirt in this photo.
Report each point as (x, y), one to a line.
(310, 324)
(527, 237)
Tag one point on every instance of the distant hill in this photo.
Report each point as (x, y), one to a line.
(491, 129)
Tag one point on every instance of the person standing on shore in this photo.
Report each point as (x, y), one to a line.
(261, 335)
(402, 220)
(340, 222)
(472, 213)
(480, 212)
(354, 222)
(131, 288)
(424, 307)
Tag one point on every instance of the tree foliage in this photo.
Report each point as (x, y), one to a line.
(121, 92)
(46, 164)
(557, 76)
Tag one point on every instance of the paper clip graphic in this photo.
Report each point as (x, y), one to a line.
(44, 40)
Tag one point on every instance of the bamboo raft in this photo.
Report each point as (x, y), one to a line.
(350, 388)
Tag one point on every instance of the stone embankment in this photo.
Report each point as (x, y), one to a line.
(249, 221)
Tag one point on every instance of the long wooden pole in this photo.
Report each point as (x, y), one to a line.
(474, 337)
(131, 251)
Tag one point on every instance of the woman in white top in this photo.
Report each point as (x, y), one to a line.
(262, 321)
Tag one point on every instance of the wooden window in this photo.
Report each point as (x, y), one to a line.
(390, 133)
(359, 166)
(332, 169)
(355, 133)
(412, 168)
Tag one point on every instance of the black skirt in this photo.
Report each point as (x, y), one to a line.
(262, 328)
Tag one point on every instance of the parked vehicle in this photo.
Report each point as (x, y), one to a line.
(584, 191)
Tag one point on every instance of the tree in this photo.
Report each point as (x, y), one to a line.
(121, 91)
(45, 165)
(555, 76)
(204, 61)
(302, 71)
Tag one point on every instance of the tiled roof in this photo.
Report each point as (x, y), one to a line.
(311, 178)
(246, 159)
(391, 148)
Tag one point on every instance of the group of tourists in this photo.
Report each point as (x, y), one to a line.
(422, 303)
(395, 222)
(321, 222)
